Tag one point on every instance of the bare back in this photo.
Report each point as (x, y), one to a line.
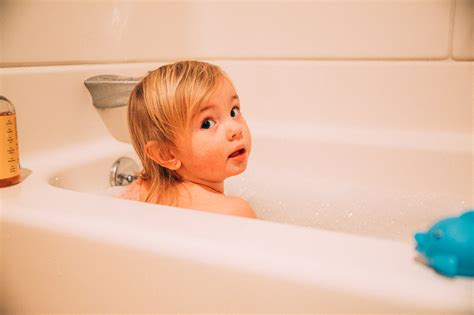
(192, 196)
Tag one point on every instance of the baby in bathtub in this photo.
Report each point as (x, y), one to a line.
(187, 129)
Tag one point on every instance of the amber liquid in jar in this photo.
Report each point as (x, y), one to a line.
(9, 159)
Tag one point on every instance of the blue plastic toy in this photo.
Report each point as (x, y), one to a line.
(448, 245)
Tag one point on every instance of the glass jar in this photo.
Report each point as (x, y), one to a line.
(9, 156)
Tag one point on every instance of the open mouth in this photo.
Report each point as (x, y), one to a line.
(237, 153)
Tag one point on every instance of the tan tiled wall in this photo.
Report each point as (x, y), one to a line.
(2, 32)
(71, 32)
(463, 35)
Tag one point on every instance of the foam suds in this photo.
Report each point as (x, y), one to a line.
(344, 207)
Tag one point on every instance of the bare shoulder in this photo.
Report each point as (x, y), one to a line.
(194, 197)
(240, 207)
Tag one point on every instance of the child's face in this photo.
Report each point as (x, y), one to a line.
(218, 142)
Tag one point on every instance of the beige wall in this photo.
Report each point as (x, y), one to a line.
(2, 40)
(463, 34)
(77, 32)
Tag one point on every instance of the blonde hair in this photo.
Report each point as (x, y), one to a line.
(160, 108)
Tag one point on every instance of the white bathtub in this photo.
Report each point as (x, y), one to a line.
(337, 207)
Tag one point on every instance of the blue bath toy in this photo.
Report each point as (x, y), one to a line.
(448, 245)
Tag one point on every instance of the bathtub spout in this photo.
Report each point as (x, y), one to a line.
(110, 91)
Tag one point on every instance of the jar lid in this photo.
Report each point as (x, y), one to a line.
(6, 104)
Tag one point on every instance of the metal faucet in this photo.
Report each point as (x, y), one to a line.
(110, 91)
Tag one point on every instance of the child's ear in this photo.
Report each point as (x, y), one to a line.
(162, 155)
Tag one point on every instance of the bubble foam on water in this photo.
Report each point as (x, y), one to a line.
(343, 206)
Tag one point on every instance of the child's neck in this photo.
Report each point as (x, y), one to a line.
(209, 186)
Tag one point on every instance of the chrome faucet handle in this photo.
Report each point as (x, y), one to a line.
(123, 172)
(123, 179)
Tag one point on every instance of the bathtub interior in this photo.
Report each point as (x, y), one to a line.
(368, 189)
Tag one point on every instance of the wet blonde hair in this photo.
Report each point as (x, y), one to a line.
(160, 108)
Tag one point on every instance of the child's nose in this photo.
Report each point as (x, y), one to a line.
(235, 132)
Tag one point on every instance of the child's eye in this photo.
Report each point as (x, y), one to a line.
(235, 111)
(207, 123)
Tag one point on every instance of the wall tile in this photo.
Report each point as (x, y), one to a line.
(2, 29)
(463, 33)
(105, 31)
(2, 40)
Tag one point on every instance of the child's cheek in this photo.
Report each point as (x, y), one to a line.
(203, 153)
(248, 136)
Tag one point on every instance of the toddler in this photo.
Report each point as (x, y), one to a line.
(187, 129)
